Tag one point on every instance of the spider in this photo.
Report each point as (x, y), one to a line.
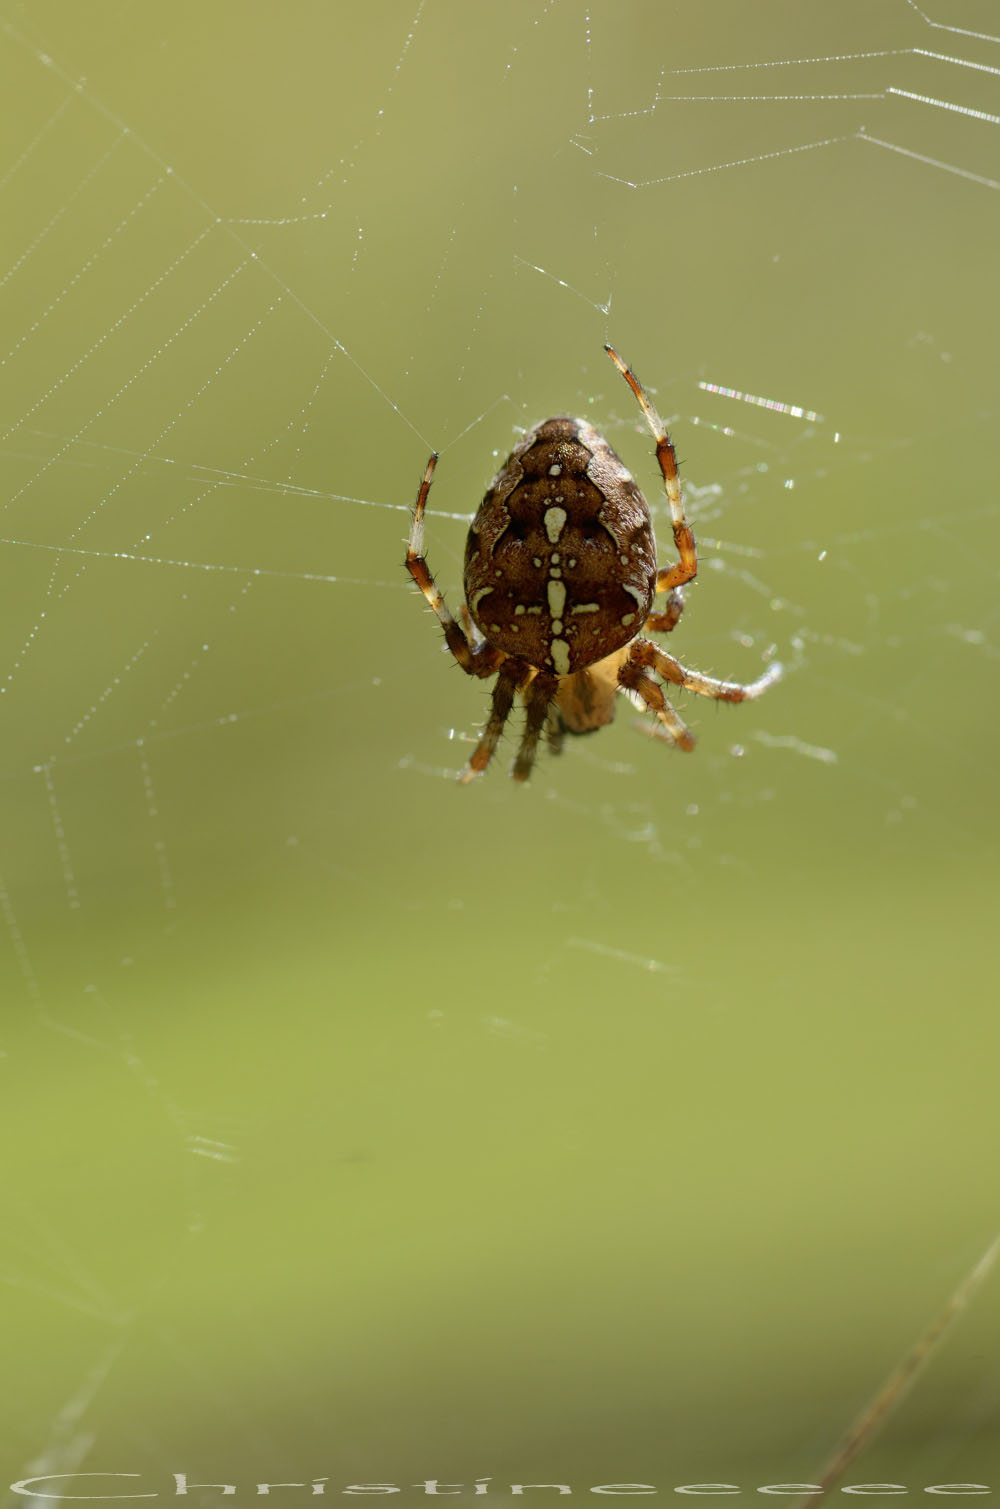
(560, 575)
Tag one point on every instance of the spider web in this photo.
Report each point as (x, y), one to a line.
(363, 1129)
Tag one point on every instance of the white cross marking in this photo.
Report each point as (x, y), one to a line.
(554, 520)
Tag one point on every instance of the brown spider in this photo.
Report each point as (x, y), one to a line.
(560, 571)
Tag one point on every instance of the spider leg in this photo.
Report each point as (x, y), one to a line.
(512, 675)
(537, 701)
(645, 653)
(475, 659)
(687, 566)
(633, 677)
(472, 634)
(555, 733)
(663, 623)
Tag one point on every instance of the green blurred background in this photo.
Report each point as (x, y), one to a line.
(624, 1128)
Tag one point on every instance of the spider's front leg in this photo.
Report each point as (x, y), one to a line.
(537, 701)
(513, 674)
(475, 659)
(555, 731)
(538, 689)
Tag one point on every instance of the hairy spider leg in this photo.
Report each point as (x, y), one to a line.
(537, 701)
(472, 634)
(665, 622)
(554, 731)
(687, 566)
(512, 674)
(633, 677)
(477, 659)
(645, 653)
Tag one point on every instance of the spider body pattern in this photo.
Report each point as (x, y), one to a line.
(560, 563)
(560, 581)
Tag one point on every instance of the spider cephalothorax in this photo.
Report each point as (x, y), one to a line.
(560, 575)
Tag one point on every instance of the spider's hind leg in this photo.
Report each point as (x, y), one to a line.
(472, 634)
(474, 656)
(687, 567)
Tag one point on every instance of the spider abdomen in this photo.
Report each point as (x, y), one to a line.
(560, 562)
